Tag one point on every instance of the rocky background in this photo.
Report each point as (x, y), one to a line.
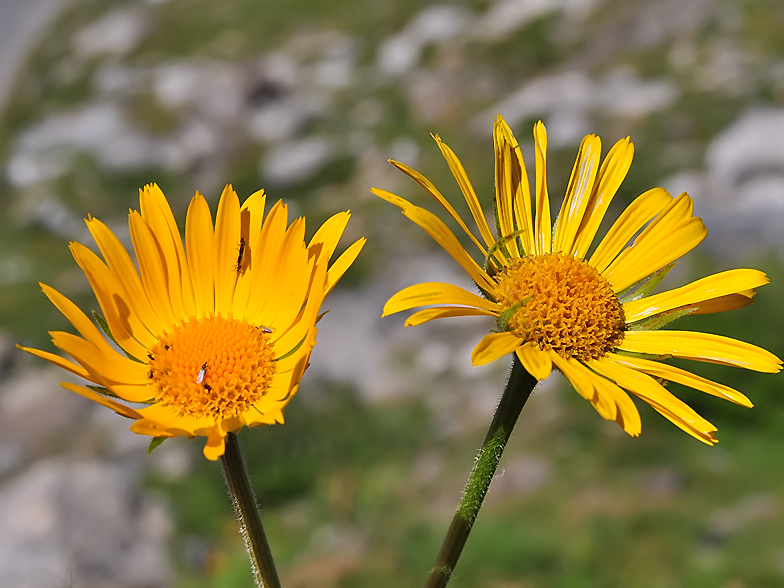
(308, 99)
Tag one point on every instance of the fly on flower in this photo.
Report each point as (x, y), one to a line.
(589, 313)
(185, 312)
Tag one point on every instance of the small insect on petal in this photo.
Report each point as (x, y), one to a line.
(240, 254)
(264, 329)
(201, 374)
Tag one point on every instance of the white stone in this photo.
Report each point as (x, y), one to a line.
(116, 33)
(296, 161)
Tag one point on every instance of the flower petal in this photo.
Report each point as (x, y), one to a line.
(637, 214)
(665, 371)
(123, 268)
(674, 232)
(117, 407)
(702, 347)
(343, 262)
(534, 360)
(126, 327)
(467, 189)
(435, 293)
(696, 293)
(156, 212)
(227, 238)
(199, 238)
(645, 387)
(433, 191)
(430, 314)
(443, 236)
(152, 269)
(520, 187)
(584, 381)
(493, 346)
(613, 171)
(578, 193)
(543, 226)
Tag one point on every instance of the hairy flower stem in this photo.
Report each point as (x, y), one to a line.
(517, 391)
(247, 513)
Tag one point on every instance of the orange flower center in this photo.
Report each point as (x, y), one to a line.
(212, 367)
(560, 303)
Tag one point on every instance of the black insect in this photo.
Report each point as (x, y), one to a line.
(149, 374)
(150, 357)
(240, 253)
(208, 388)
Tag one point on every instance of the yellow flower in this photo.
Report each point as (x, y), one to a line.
(589, 316)
(211, 340)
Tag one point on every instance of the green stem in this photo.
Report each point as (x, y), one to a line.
(517, 391)
(247, 513)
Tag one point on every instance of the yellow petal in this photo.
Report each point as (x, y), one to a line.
(79, 320)
(578, 193)
(637, 214)
(433, 191)
(467, 189)
(443, 236)
(134, 392)
(245, 255)
(504, 188)
(535, 361)
(673, 233)
(156, 212)
(124, 270)
(328, 236)
(521, 189)
(702, 347)
(126, 327)
(493, 346)
(343, 262)
(612, 173)
(435, 293)
(227, 238)
(120, 409)
(101, 366)
(269, 245)
(59, 362)
(585, 382)
(430, 314)
(696, 293)
(626, 414)
(649, 390)
(199, 242)
(673, 374)
(543, 226)
(152, 269)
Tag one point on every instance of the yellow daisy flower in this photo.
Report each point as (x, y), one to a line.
(212, 340)
(589, 316)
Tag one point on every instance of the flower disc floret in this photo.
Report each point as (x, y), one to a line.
(214, 367)
(561, 304)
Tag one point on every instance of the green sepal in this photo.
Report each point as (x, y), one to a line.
(109, 394)
(645, 286)
(656, 322)
(154, 442)
(107, 331)
(103, 391)
(500, 245)
(503, 319)
(293, 351)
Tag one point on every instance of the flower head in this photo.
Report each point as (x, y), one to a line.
(212, 336)
(591, 316)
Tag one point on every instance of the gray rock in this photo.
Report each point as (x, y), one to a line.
(435, 24)
(83, 520)
(115, 33)
(296, 161)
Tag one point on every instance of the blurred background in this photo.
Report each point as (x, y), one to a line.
(308, 99)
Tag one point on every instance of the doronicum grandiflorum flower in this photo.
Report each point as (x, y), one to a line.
(212, 336)
(591, 316)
